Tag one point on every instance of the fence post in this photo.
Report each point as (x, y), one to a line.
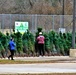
(3, 23)
(35, 22)
(53, 23)
(60, 21)
(10, 23)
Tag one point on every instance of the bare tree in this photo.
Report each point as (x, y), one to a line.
(34, 6)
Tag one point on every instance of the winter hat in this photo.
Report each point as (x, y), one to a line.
(40, 33)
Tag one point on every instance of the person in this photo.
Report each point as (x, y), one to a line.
(41, 41)
(12, 46)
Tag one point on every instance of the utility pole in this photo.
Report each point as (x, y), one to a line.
(73, 30)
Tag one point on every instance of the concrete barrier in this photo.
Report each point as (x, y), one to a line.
(72, 53)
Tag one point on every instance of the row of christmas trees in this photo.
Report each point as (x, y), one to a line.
(26, 43)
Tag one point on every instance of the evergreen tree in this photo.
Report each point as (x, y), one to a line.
(19, 44)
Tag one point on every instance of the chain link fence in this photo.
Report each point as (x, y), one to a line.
(47, 22)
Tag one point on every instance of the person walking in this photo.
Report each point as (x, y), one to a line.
(12, 46)
(41, 41)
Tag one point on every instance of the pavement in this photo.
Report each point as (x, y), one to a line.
(65, 64)
(58, 59)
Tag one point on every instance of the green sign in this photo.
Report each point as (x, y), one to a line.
(21, 26)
